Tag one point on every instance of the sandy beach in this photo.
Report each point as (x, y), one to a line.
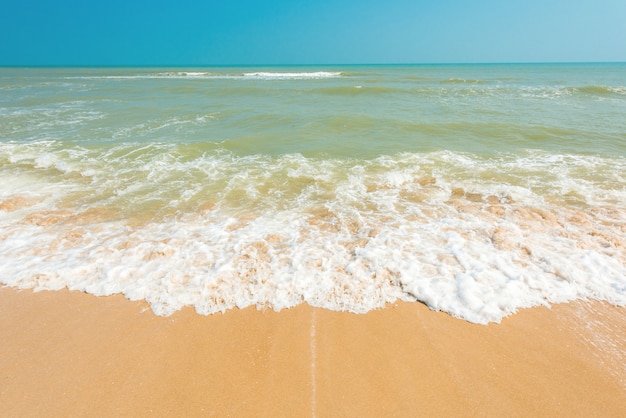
(72, 354)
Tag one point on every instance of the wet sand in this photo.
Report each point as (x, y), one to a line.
(72, 354)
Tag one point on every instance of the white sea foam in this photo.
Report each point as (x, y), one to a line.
(259, 75)
(295, 76)
(219, 231)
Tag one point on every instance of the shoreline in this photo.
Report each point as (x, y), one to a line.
(73, 354)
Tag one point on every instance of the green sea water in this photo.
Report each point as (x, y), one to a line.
(357, 111)
(477, 189)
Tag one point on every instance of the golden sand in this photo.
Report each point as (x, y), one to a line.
(72, 354)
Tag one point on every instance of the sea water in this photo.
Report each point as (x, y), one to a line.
(475, 189)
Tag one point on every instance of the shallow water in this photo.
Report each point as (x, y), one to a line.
(477, 189)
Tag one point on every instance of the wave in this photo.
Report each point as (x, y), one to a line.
(471, 88)
(599, 90)
(293, 76)
(260, 75)
(187, 75)
(475, 237)
(461, 81)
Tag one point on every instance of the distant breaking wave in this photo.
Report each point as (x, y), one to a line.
(210, 75)
(272, 75)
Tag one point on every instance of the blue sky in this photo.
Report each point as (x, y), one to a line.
(188, 32)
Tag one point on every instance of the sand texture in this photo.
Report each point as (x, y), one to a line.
(72, 354)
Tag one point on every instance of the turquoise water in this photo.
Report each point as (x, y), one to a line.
(477, 189)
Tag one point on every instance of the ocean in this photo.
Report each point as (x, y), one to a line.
(475, 189)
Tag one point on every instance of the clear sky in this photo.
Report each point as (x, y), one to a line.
(193, 32)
